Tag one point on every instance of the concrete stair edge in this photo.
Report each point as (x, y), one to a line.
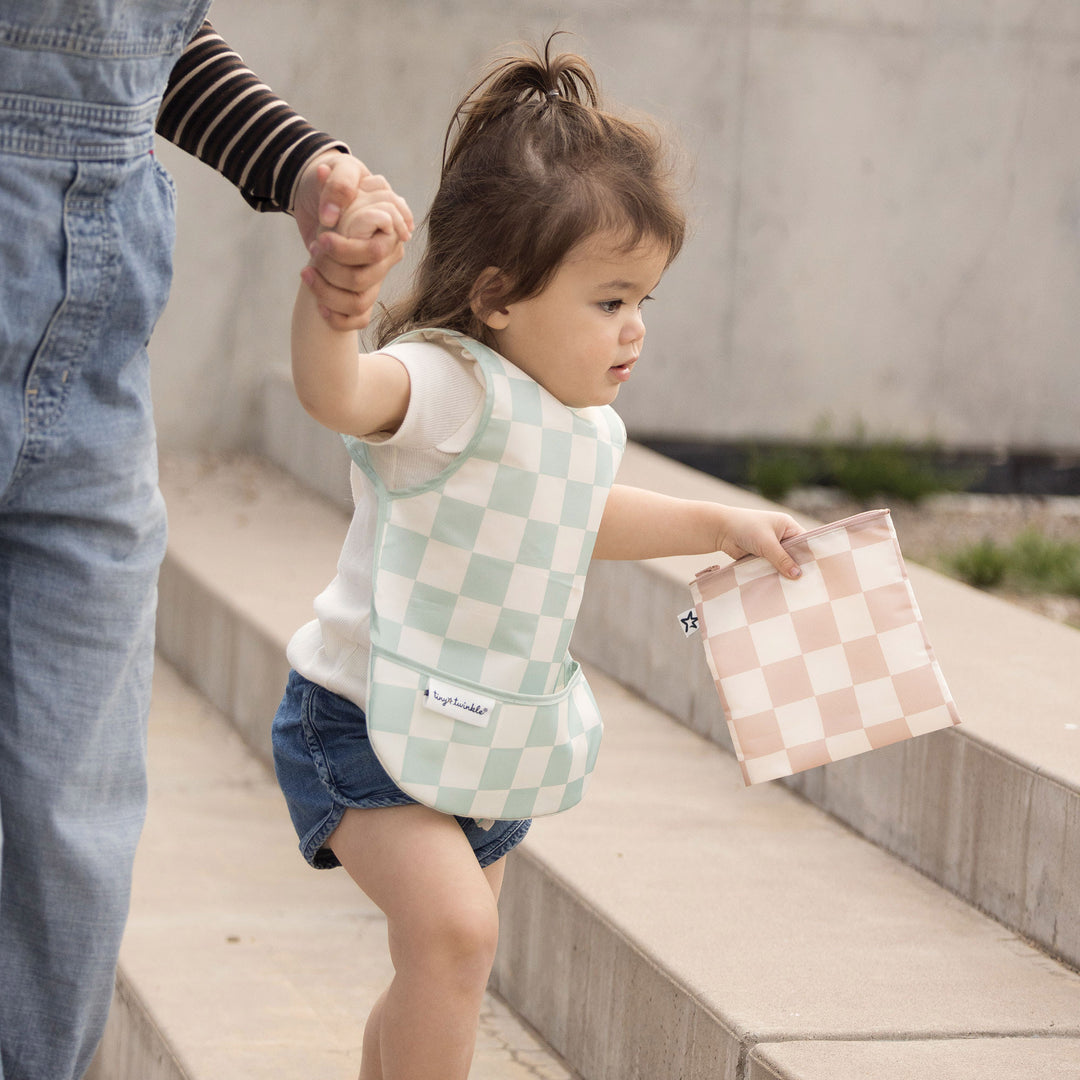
(133, 1046)
(1047, 1058)
(648, 1016)
(236, 665)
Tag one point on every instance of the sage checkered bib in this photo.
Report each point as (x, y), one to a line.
(475, 706)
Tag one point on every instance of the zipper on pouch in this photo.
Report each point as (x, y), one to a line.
(845, 523)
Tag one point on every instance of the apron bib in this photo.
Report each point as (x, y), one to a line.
(475, 706)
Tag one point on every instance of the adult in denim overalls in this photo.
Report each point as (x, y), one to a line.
(86, 236)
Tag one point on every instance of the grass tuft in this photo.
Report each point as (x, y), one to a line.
(1032, 563)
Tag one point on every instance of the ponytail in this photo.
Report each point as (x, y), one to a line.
(529, 80)
(532, 166)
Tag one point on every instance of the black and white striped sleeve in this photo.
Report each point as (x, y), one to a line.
(216, 108)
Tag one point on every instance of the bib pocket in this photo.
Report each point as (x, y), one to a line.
(479, 752)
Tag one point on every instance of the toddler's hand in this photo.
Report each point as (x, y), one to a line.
(759, 532)
(375, 208)
(348, 264)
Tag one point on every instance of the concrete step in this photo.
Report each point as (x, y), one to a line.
(990, 810)
(675, 924)
(238, 960)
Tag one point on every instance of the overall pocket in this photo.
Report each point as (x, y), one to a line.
(478, 752)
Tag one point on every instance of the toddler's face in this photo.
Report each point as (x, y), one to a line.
(581, 336)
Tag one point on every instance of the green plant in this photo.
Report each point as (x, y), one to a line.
(1070, 583)
(1032, 562)
(1043, 563)
(775, 472)
(869, 469)
(982, 564)
(864, 468)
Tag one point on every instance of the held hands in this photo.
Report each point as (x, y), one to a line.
(759, 532)
(371, 225)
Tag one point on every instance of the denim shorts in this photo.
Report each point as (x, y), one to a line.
(325, 764)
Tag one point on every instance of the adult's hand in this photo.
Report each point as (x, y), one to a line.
(346, 272)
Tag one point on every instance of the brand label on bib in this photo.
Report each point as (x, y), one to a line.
(465, 705)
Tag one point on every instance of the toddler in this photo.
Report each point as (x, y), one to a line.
(433, 708)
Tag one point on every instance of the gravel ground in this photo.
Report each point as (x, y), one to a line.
(945, 523)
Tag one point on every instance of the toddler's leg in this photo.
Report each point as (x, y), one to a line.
(443, 926)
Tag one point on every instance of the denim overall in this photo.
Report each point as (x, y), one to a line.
(86, 234)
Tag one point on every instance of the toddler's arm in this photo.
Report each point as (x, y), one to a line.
(640, 524)
(348, 391)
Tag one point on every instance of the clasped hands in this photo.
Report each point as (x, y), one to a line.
(354, 227)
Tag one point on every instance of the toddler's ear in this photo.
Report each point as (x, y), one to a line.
(484, 299)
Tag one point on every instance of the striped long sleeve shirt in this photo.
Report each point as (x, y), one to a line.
(216, 108)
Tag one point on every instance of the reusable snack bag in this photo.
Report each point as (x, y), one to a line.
(832, 664)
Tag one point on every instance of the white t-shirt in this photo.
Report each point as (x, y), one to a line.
(446, 401)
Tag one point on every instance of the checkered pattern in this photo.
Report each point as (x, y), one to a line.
(533, 757)
(830, 665)
(478, 579)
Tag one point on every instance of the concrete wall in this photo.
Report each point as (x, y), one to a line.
(886, 205)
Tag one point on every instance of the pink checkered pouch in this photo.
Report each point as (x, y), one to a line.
(830, 665)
